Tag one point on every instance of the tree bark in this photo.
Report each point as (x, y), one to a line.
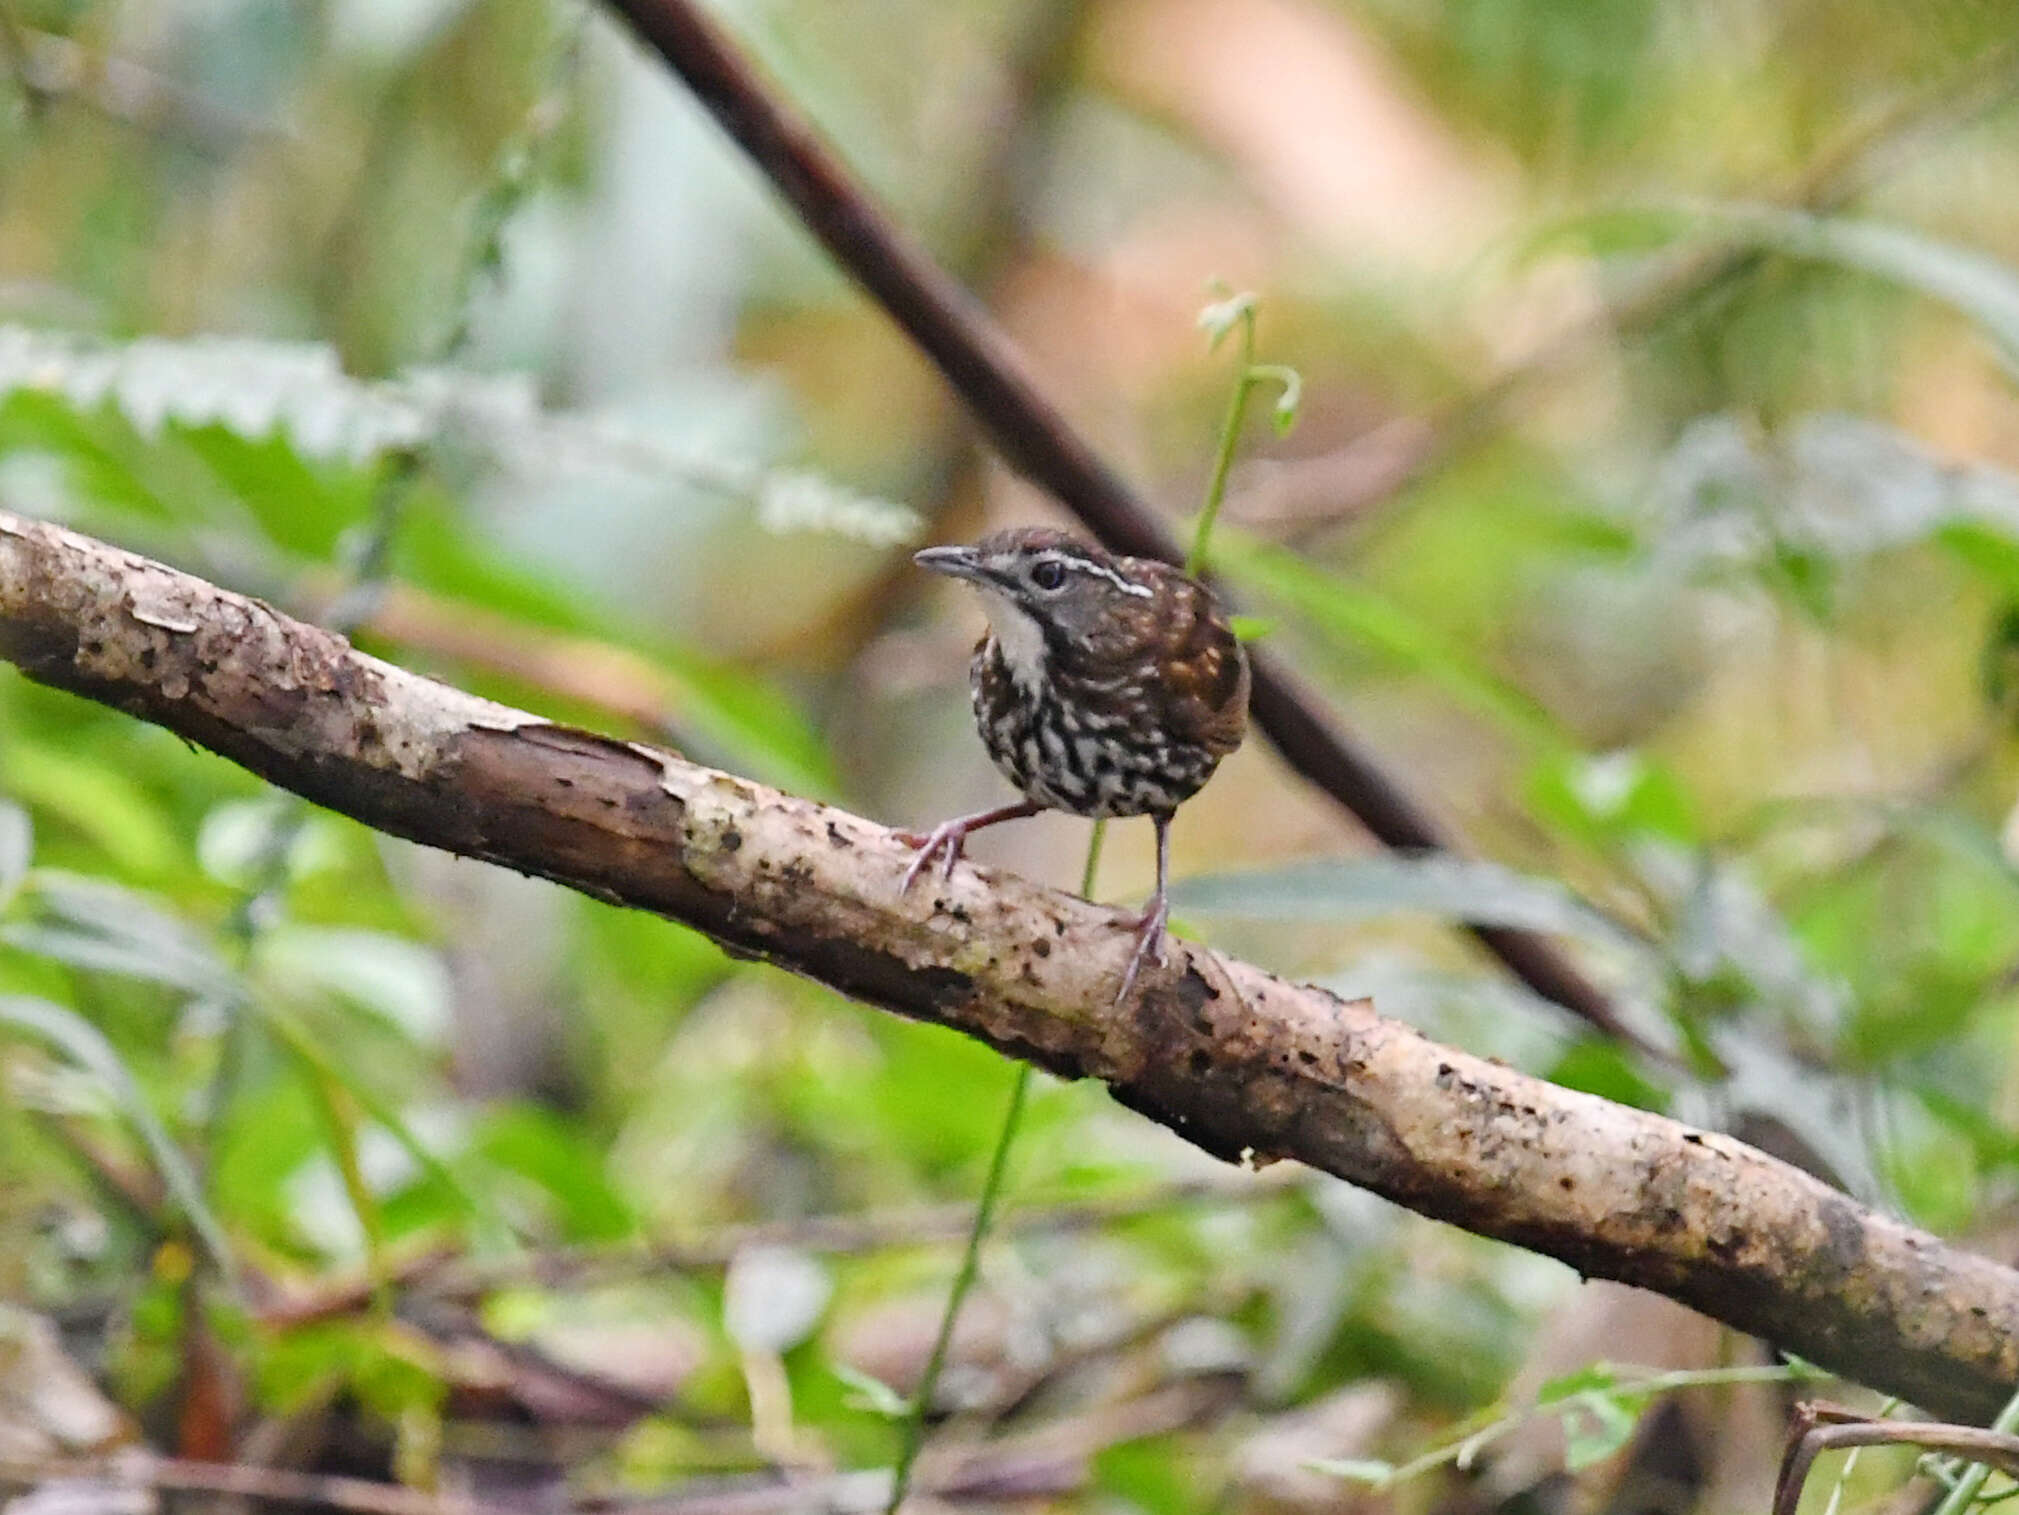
(1239, 1062)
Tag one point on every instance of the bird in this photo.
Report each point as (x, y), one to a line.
(1105, 686)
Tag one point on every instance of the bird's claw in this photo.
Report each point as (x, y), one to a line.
(948, 837)
(1150, 933)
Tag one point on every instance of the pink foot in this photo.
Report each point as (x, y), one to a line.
(948, 837)
(1149, 943)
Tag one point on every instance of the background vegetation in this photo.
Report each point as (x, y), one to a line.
(1651, 510)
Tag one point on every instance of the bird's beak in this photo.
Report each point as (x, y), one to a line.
(954, 562)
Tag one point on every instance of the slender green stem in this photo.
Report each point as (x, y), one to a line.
(984, 1213)
(270, 873)
(515, 176)
(340, 1121)
(1850, 1464)
(1230, 440)
(970, 1258)
(1496, 1421)
(1964, 1493)
(1093, 863)
(1216, 492)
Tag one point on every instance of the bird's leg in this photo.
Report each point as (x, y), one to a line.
(1150, 929)
(950, 836)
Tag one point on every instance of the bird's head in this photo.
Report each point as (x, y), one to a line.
(1045, 591)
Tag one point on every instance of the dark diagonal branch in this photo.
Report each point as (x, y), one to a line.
(990, 375)
(1227, 1056)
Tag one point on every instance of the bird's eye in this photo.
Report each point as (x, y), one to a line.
(1050, 574)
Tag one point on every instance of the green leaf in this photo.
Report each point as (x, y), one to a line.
(1725, 929)
(1930, 1165)
(85, 1045)
(274, 1129)
(1994, 1143)
(732, 714)
(17, 847)
(1980, 287)
(754, 725)
(1156, 1475)
(1593, 1065)
(1361, 618)
(1289, 398)
(96, 799)
(1608, 231)
(1251, 628)
(1990, 553)
(235, 843)
(1596, 1375)
(317, 1063)
(342, 1129)
(1611, 798)
(401, 981)
(539, 1146)
(91, 464)
(303, 504)
(94, 954)
(1790, 505)
(393, 1368)
(1595, 1426)
(1809, 578)
(1453, 888)
(869, 1394)
(93, 924)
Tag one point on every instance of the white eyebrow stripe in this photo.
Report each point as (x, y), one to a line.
(1141, 591)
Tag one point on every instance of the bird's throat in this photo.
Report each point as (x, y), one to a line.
(1018, 637)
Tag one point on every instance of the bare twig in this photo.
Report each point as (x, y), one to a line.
(1050, 1461)
(437, 1272)
(357, 1496)
(1270, 1070)
(991, 376)
(1819, 1427)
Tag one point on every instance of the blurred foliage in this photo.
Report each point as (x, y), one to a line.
(455, 324)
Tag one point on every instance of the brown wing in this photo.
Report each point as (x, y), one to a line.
(1205, 673)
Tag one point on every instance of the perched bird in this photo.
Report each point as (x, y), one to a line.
(1105, 686)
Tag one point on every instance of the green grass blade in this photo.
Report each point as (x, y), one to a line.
(87, 1046)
